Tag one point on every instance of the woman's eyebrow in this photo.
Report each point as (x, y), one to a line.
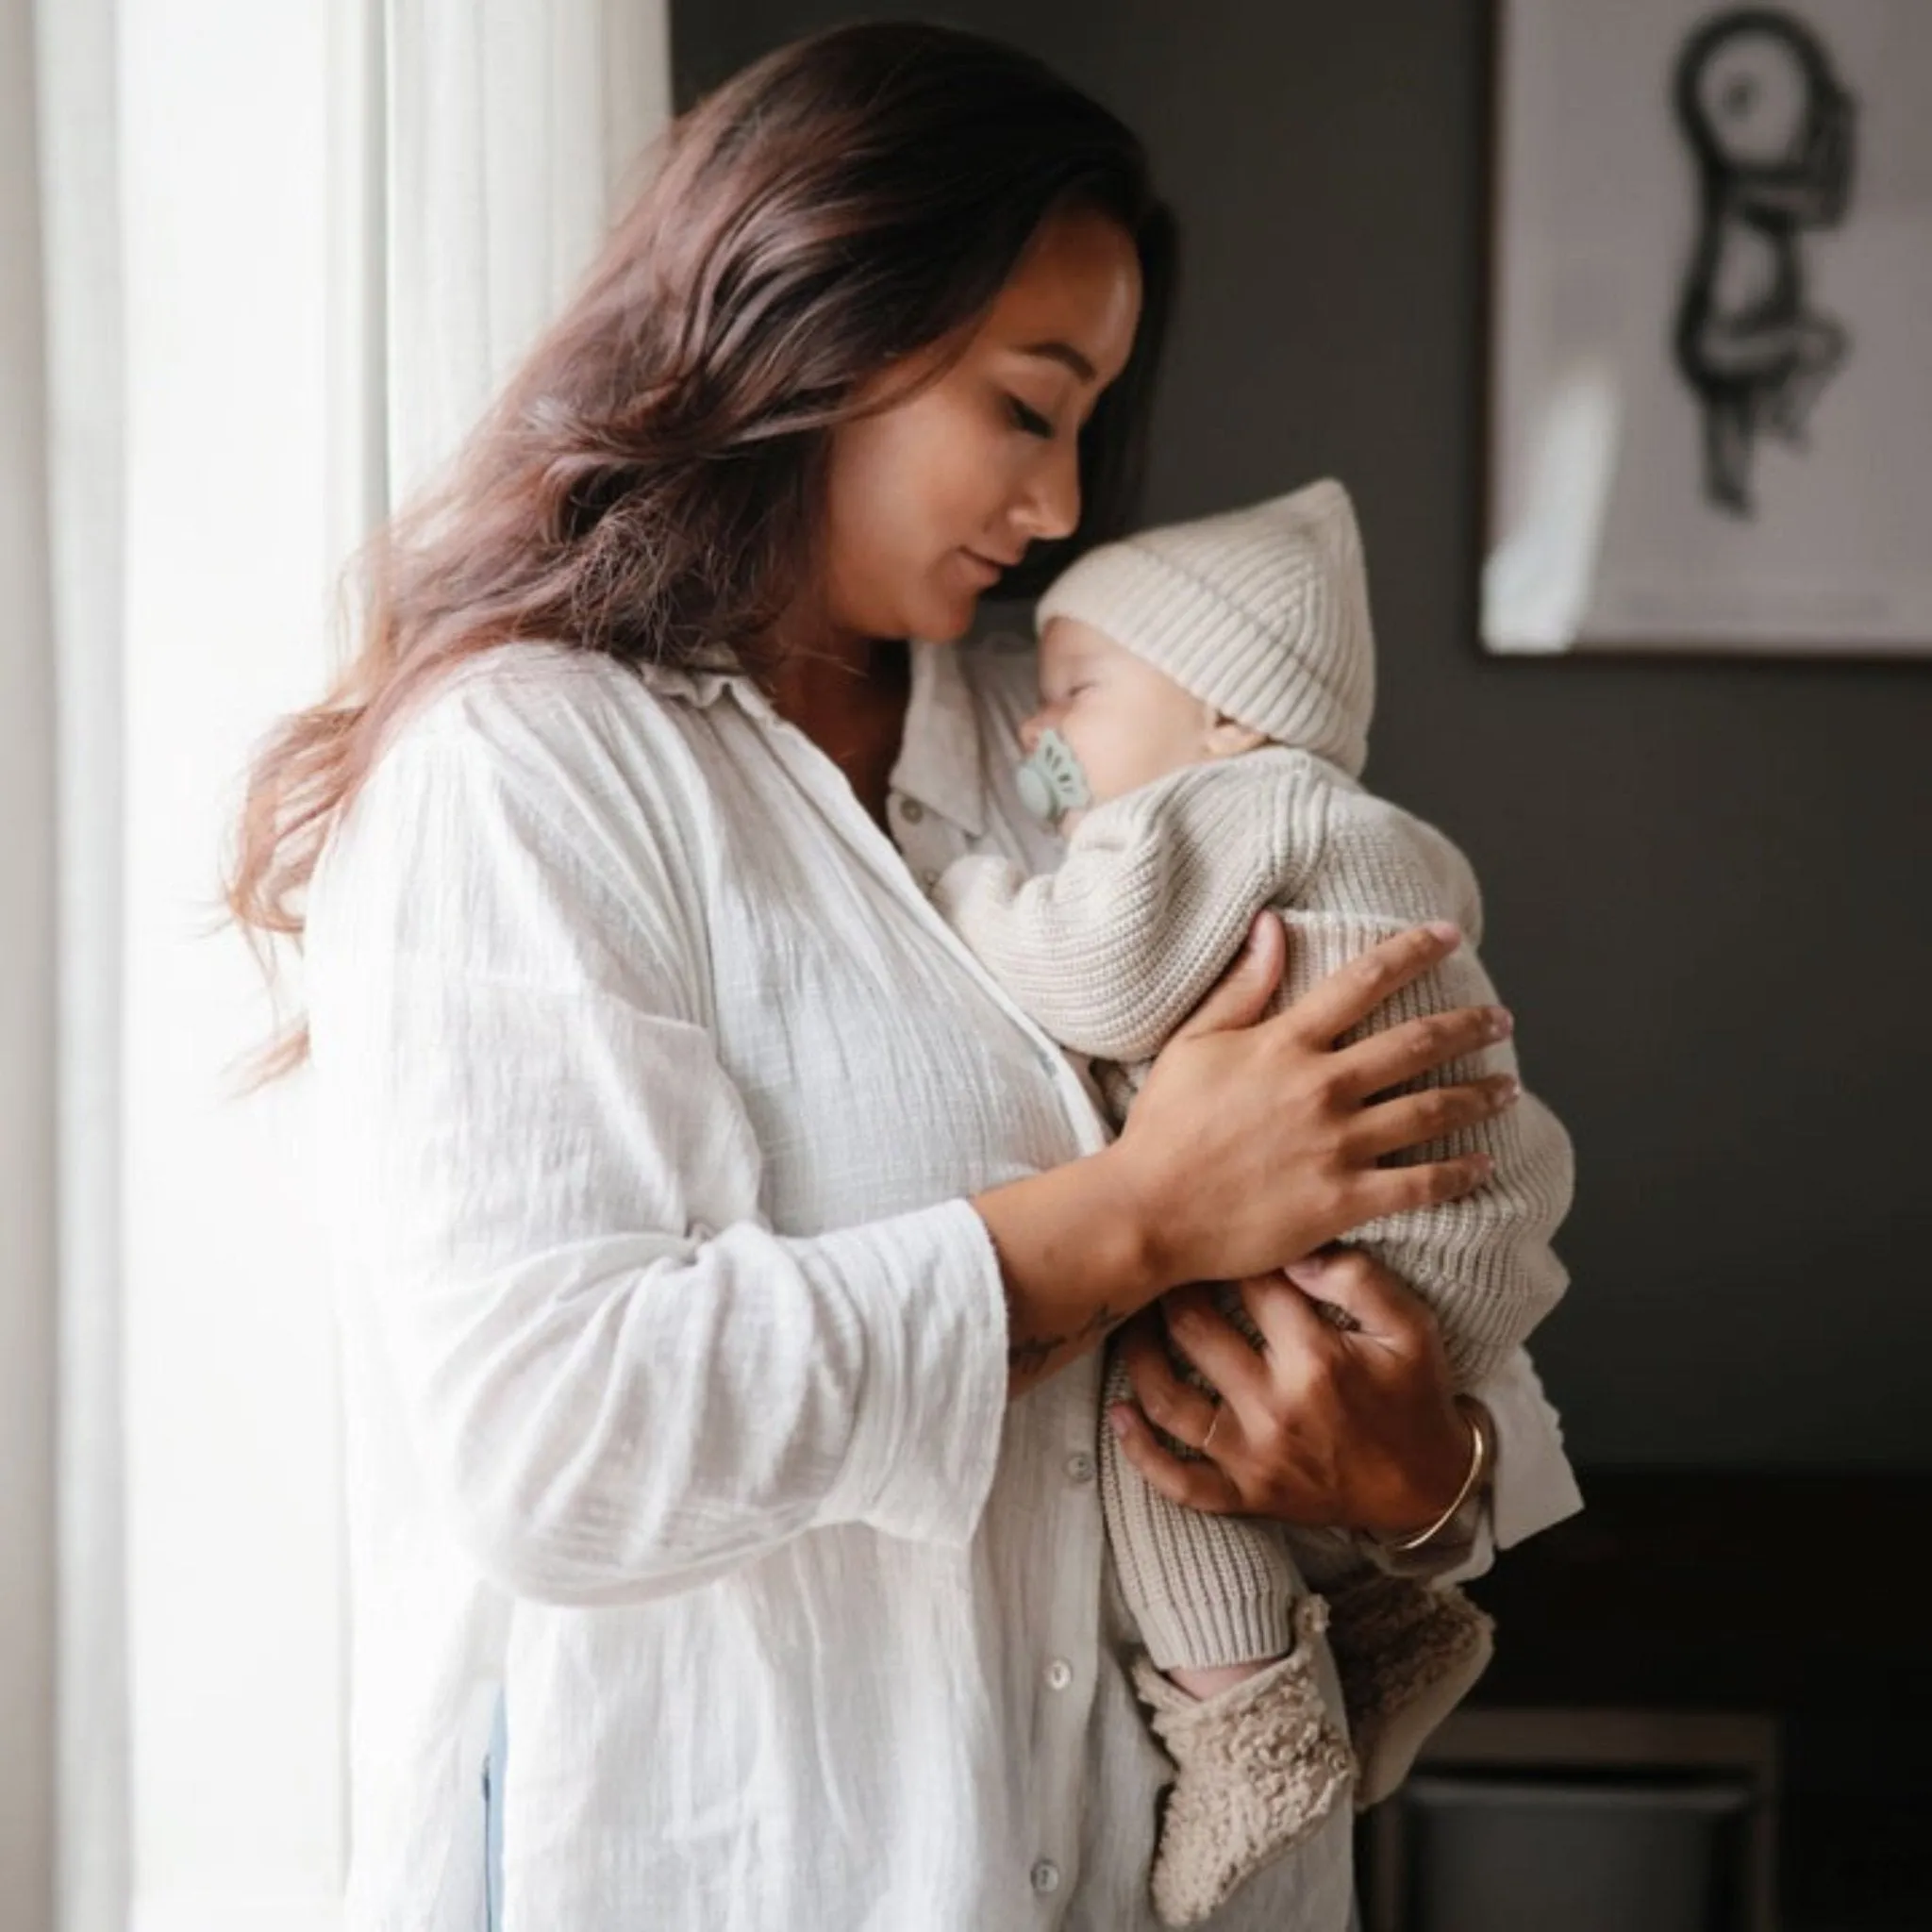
(1065, 354)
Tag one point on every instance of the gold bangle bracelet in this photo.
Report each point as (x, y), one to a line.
(1480, 1452)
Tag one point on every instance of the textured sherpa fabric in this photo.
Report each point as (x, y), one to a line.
(1257, 1770)
(1407, 1654)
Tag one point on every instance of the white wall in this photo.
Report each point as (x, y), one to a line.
(233, 1614)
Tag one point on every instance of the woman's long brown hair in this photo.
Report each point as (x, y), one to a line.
(649, 482)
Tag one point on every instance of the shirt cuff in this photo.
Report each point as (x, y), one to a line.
(930, 1301)
(1534, 1486)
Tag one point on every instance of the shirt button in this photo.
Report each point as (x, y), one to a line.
(1081, 1466)
(1059, 1674)
(1046, 1875)
(911, 810)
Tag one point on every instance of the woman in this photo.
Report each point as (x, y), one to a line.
(723, 1257)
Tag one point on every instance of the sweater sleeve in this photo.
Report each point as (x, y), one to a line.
(1112, 951)
(620, 1380)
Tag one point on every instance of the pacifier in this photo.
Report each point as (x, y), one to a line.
(1051, 782)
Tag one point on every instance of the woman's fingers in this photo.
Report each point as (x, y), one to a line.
(1402, 1189)
(1412, 1120)
(1363, 1428)
(1214, 1345)
(1398, 1055)
(1291, 1321)
(1193, 1484)
(1261, 1138)
(1350, 995)
(1369, 1297)
(1244, 989)
(1187, 1413)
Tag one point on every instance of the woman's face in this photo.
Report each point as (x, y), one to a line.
(930, 501)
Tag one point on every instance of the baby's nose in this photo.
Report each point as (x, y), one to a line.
(1030, 732)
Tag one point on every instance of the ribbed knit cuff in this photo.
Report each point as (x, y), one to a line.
(1208, 1631)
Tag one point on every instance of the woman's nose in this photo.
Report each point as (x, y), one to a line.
(1052, 506)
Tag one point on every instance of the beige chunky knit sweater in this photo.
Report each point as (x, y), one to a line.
(1113, 950)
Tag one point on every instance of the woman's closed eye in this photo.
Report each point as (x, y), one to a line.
(1029, 419)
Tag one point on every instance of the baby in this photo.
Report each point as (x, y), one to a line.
(1205, 697)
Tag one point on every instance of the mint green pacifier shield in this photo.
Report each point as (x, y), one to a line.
(1051, 782)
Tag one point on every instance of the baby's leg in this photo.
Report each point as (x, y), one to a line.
(1229, 1681)
(1213, 1597)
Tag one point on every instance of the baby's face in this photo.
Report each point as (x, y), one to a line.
(1126, 723)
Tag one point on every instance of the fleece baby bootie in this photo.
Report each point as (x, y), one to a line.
(1407, 1653)
(1256, 1768)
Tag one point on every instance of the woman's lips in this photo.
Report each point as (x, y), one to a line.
(990, 568)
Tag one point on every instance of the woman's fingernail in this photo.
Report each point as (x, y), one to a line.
(1502, 1022)
(1307, 1269)
(1510, 1088)
(1444, 929)
(1117, 1422)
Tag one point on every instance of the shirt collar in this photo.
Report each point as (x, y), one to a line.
(939, 761)
(702, 679)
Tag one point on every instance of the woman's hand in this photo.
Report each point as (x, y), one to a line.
(1250, 1145)
(1345, 1417)
(1253, 1145)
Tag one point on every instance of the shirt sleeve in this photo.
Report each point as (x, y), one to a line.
(1113, 950)
(620, 1380)
(1534, 1486)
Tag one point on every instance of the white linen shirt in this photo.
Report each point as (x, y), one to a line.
(651, 1090)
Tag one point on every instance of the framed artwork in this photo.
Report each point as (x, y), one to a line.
(1710, 398)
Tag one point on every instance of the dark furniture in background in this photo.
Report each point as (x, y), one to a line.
(1791, 1599)
(1520, 1818)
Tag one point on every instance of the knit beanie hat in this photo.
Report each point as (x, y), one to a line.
(1262, 612)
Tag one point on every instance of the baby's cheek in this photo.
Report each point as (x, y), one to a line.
(1133, 766)
(1107, 759)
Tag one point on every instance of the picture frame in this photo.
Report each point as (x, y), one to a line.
(1708, 413)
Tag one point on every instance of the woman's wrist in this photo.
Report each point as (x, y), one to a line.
(1078, 1258)
(1159, 1227)
(1452, 1518)
(1132, 1203)
(1481, 1453)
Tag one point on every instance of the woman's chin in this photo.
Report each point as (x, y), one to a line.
(949, 620)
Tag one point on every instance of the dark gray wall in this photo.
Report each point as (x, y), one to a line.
(1709, 888)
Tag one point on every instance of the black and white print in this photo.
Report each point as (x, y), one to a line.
(1711, 354)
